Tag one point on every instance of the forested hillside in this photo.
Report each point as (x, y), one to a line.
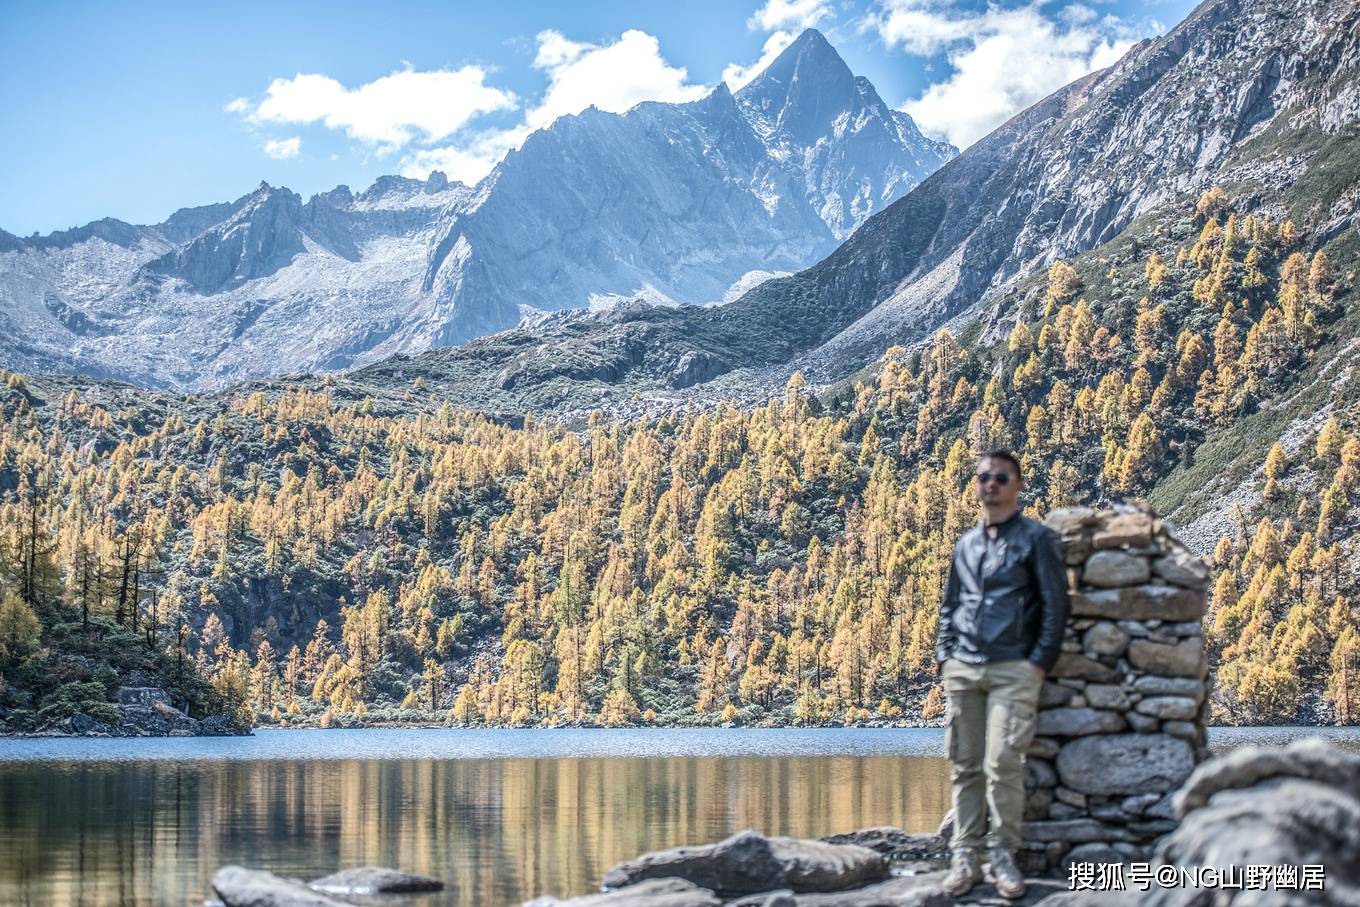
(323, 560)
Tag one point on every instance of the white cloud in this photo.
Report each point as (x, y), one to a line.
(783, 15)
(736, 76)
(389, 112)
(1003, 60)
(283, 149)
(432, 110)
(612, 77)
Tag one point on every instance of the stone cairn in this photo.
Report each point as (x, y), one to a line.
(1121, 716)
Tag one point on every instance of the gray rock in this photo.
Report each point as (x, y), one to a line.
(1071, 520)
(1079, 721)
(144, 696)
(1110, 812)
(1070, 665)
(650, 893)
(375, 880)
(1293, 822)
(1171, 686)
(749, 862)
(158, 719)
(1311, 758)
(1150, 828)
(1292, 806)
(216, 726)
(1052, 694)
(1115, 568)
(1184, 659)
(1104, 638)
(1178, 708)
(1147, 601)
(1184, 729)
(241, 887)
(1139, 803)
(1179, 567)
(1107, 696)
(1125, 529)
(895, 844)
(1070, 797)
(1125, 763)
(83, 725)
(1142, 724)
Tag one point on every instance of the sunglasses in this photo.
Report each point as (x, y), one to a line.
(1001, 478)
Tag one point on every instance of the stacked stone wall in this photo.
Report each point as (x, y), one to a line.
(1121, 716)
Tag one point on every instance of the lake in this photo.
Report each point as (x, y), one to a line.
(500, 815)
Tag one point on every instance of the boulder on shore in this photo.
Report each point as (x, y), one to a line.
(237, 886)
(241, 887)
(749, 862)
(1296, 806)
(375, 880)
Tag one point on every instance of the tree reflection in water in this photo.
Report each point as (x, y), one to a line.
(498, 831)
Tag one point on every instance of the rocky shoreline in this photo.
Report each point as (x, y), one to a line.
(143, 711)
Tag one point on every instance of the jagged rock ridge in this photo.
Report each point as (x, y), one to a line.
(676, 203)
(1258, 95)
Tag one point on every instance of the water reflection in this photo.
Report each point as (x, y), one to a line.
(500, 815)
(497, 830)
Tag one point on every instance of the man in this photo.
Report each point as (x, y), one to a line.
(1001, 626)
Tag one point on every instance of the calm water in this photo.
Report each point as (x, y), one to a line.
(501, 815)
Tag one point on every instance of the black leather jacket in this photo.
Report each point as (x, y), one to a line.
(1013, 606)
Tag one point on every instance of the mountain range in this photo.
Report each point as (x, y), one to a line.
(669, 203)
(1259, 96)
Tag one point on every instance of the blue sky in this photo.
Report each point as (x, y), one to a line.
(134, 110)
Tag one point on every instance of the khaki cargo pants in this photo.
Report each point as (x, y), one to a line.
(990, 724)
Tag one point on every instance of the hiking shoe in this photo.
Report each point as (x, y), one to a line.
(1009, 881)
(965, 871)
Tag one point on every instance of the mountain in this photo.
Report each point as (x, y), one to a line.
(673, 203)
(350, 549)
(257, 286)
(1261, 96)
